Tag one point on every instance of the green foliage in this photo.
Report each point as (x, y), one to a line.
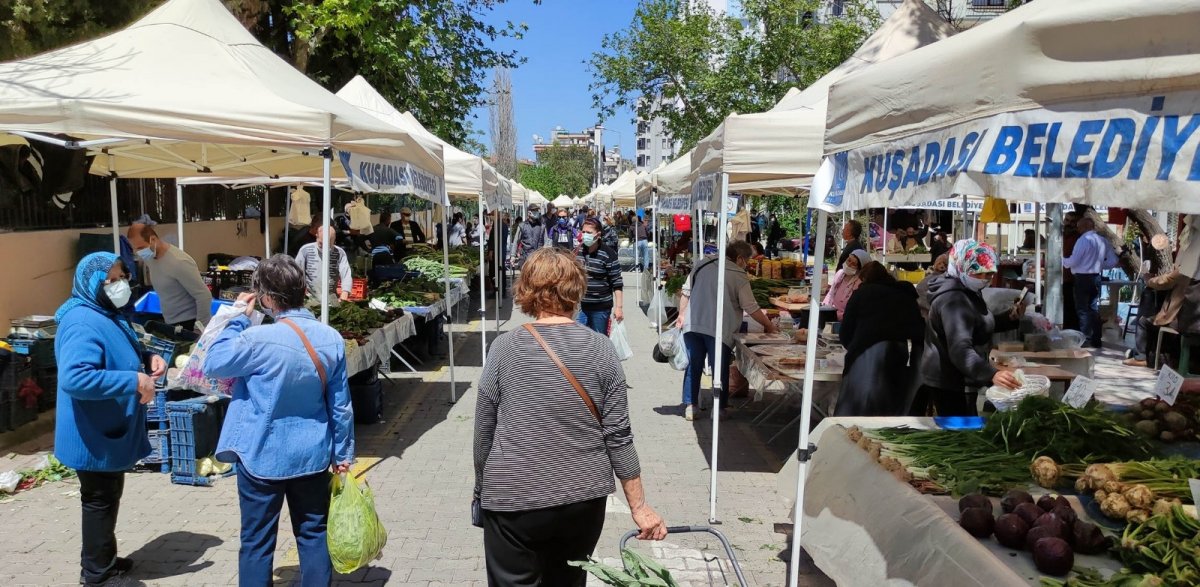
(561, 170)
(28, 27)
(684, 62)
(431, 57)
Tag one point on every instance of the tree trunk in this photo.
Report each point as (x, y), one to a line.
(1160, 261)
(1129, 261)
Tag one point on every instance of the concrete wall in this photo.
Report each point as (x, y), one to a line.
(38, 266)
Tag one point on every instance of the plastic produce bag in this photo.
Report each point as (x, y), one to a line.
(354, 533)
(679, 356)
(668, 340)
(620, 341)
(192, 374)
(657, 312)
(9, 481)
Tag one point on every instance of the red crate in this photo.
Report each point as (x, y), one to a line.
(358, 291)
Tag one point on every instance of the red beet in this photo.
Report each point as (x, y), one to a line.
(1010, 531)
(1051, 500)
(974, 500)
(1014, 498)
(1088, 539)
(1028, 512)
(1039, 532)
(1066, 514)
(1053, 556)
(978, 522)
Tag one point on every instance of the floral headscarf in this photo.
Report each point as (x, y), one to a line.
(970, 256)
(85, 291)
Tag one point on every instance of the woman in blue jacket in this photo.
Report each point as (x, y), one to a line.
(289, 421)
(100, 429)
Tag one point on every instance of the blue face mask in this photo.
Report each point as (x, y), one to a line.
(588, 239)
(146, 254)
(562, 221)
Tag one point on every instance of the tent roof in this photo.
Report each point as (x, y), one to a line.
(766, 152)
(562, 201)
(622, 190)
(194, 94)
(674, 178)
(1043, 53)
(466, 174)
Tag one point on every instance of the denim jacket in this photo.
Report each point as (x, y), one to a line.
(281, 424)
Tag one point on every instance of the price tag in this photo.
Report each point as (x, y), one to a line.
(1081, 391)
(1194, 484)
(1168, 384)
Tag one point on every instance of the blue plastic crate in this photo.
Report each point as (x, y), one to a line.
(168, 350)
(160, 448)
(156, 411)
(195, 429)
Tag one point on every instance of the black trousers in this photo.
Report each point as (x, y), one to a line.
(532, 548)
(947, 402)
(100, 494)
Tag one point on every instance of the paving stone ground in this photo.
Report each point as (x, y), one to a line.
(189, 536)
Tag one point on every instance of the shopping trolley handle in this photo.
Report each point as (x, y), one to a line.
(737, 569)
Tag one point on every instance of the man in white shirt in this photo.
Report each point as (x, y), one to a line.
(309, 260)
(186, 302)
(1092, 254)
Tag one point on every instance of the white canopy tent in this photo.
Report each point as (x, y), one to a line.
(769, 152)
(186, 91)
(1057, 101)
(563, 201)
(622, 191)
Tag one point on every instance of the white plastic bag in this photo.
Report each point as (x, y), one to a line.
(679, 358)
(9, 481)
(620, 341)
(192, 375)
(657, 312)
(668, 340)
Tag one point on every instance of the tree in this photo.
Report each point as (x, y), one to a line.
(430, 57)
(682, 61)
(542, 179)
(504, 127)
(574, 166)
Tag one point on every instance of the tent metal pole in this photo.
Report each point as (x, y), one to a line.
(654, 254)
(179, 214)
(803, 453)
(885, 232)
(449, 310)
(287, 222)
(482, 284)
(266, 220)
(718, 375)
(325, 247)
(498, 227)
(964, 214)
(112, 200)
(1037, 254)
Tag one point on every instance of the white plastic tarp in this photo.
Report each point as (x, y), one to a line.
(775, 151)
(1093, 102)
(193, 94)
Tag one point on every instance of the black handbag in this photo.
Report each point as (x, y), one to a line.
(476, 513)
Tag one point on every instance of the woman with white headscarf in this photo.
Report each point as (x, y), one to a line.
(958, 337)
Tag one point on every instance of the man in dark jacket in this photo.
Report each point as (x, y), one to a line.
(774, 234)
(958, 337)
(852, 234)
(881, 320)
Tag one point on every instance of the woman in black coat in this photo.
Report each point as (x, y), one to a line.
(958, 339)
(883, 333)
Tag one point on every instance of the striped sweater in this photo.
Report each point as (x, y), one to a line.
(603, 277)
(536, 443)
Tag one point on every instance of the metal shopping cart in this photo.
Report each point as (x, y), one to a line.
(733, 562)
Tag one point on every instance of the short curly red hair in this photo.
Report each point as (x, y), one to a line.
(552, 281)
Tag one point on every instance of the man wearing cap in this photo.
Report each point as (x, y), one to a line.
(407, 229)
(532, 236)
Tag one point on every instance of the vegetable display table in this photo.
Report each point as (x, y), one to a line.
(379, 345)
(862, 526)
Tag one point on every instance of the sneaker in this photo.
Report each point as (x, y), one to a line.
(120, 567)
(1134, 362)
(689, 413)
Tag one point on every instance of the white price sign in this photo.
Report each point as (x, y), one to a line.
(1168, 384)
(1080, 392)
(1194, 484)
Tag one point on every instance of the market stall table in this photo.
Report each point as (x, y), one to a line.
(380, 346)
(862, 526)
(1078, 361)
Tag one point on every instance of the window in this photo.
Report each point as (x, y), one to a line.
(643, 160)
(643, 127)
(664, 143)
(837, 9)
(989, 3)
(643, 144)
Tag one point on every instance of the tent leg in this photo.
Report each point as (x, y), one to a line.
(179, 214)
(806, 405)
(654, 254)
(885, 233)
(482, 285)
(267, 222)
(326, 206)
(450, 314)
(1037, 254)
(719, 347)
(287, 222)
(112, 200)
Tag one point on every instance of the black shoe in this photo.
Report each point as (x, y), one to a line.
(120, 567)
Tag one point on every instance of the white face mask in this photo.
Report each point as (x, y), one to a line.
(850, 271)
(975, 283)
(118, 293)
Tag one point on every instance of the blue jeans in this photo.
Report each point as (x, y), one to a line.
(701, 349)
(596, 320)
(642, 256)
(1087, 304)
(308, 504)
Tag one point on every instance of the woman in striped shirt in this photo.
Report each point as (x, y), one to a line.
(551, 429)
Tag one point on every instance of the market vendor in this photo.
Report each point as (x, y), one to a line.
(309, 260)
(407, 229)
(186, 302)
(698, 319)
(958, 337)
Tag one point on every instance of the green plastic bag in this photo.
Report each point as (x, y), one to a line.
(355, 535)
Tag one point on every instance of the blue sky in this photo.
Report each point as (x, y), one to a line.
(551, 88)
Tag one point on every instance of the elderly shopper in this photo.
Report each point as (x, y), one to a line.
(289, 422)
(845, 282)
(604, 298)
(309, 261)
(958, 336)
(100, 428)
(698, 320)
(551, 430)
(186, 302)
